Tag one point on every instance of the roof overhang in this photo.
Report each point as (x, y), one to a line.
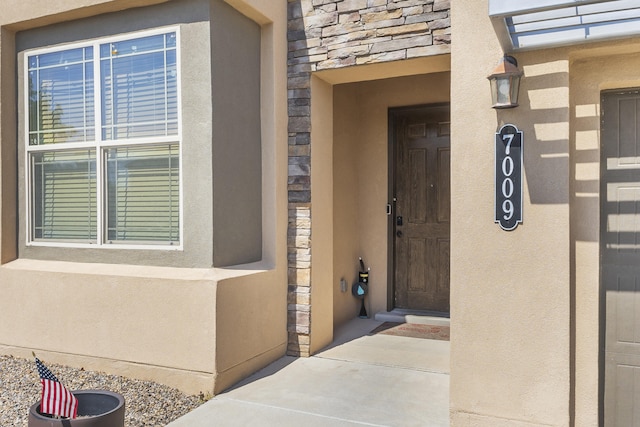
(536, 24)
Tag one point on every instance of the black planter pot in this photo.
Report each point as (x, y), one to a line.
(96, 408)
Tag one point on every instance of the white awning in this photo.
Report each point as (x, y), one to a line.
(544, 23)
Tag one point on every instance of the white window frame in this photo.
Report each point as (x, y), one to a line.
(101, 144)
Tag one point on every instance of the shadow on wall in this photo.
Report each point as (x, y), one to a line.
(546, 133)
(561, 147)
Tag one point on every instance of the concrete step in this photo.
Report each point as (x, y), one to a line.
(413, 316)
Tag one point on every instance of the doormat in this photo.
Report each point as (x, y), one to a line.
(413, 330)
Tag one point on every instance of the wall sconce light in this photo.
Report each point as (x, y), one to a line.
(505, 83)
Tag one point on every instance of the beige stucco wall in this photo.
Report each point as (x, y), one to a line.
(321, 214)
(199, 329)
(346, 199)
(510, 291)
(134, 322)
(526, 304)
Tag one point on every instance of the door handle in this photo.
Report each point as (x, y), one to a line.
(399, 233)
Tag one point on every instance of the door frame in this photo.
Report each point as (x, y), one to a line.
(392, 115)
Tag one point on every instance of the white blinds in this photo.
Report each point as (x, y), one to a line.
(139, 88)
(61, 100)
(64, 197)
(143, 194)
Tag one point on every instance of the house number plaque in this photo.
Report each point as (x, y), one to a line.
(508, 177)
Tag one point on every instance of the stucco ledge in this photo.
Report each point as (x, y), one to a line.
(99, 269)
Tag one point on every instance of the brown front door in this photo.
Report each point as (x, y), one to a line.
(620, 256)
(420, 222)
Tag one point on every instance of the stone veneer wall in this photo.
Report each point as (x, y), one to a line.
(326, 34)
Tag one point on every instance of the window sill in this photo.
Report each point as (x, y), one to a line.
(175, 273)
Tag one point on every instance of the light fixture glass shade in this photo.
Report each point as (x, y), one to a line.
(505, 84)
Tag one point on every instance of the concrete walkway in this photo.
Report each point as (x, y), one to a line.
(361, 379)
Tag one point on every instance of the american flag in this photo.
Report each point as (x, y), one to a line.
(56, 399)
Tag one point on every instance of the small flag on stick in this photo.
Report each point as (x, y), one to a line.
(56, 399)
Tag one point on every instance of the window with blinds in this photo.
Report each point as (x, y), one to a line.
(103, 143)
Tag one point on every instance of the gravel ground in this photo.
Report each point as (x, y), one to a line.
(146, 403)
